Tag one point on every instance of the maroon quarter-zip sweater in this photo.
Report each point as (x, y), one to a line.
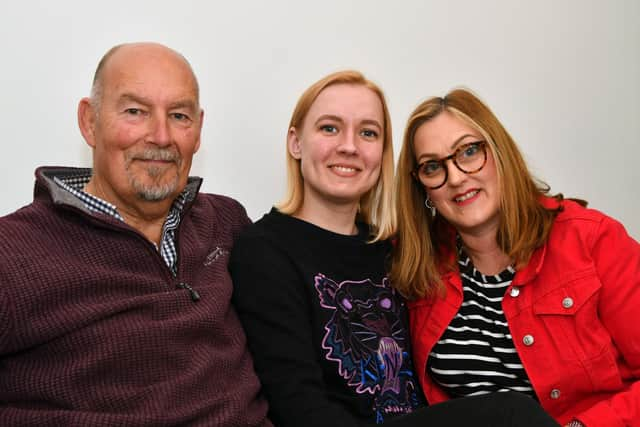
(96, 331)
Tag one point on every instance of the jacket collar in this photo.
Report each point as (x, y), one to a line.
(527, 273)
(45, 186)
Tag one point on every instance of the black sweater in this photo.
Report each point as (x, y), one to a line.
(327, 332)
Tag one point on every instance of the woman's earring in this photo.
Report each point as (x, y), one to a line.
(429, 204)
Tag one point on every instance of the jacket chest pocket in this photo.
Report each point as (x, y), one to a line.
(569, 316)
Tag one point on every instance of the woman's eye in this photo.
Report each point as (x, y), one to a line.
(368, 133)
(431, 167)
(471, 150)
(328, 128)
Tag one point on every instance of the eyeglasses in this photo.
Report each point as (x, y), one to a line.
(468, 158)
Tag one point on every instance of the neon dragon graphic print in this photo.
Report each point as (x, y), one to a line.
(366, 337)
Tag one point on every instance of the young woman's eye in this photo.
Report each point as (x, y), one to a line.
(369, 133)
(328, 128)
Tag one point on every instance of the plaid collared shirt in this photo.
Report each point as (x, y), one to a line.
(168, 250)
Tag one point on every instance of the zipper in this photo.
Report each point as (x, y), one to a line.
(195, 296)
(116, 225)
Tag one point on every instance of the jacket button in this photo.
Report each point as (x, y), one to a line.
(528, 340)
(567, 302)
(515, 291)
(555, 393)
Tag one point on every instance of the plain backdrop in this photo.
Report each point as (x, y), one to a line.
(562, 75)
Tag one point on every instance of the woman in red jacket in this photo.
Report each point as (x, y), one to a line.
(511, 289)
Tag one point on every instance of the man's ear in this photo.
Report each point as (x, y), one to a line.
(293, 143)
(87, 121)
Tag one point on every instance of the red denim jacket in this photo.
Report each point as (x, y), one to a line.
(573, 314)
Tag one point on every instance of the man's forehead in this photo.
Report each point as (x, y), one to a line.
(149, 69)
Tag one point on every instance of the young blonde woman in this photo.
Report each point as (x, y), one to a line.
(327, 331)
(511, 289)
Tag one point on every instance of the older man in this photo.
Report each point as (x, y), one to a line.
(114, 289)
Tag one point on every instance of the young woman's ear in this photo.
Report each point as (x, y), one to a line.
(293, 143)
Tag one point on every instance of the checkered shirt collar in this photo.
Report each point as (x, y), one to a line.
(168, 249)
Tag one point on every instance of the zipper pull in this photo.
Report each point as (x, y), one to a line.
(195, 296)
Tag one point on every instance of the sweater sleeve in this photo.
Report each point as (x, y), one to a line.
(270, 300)
(617, 260)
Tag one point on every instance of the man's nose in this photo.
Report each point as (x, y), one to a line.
(160, 133)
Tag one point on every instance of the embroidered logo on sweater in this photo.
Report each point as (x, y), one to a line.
(214, 255)
(366, 337)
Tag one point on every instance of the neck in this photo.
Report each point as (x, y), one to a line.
(144, 216)
(149, 224)
(485, 253)
(339, 219)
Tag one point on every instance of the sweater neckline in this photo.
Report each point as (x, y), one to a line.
(307, 227)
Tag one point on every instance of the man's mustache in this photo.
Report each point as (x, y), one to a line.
(162, 154)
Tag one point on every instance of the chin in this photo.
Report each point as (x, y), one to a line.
(343, 198)
(478, 224)
(155, 191)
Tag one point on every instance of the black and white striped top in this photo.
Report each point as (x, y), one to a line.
(476, 354)
(168, 251)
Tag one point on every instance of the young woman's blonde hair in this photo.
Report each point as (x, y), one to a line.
(376, 206)
(425, 246)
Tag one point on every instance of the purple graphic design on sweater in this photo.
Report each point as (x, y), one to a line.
(366, 337)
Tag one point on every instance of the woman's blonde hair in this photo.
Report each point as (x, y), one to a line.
(425, 246)
(376, 206)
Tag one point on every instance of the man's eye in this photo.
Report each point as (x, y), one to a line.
(133, 111)
(180, 116)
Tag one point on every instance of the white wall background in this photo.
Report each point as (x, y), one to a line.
(562, 75)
